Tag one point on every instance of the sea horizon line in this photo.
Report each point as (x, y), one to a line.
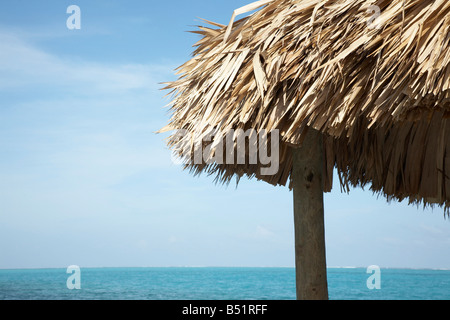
(217, 267)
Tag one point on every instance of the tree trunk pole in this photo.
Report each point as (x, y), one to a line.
(310, 256)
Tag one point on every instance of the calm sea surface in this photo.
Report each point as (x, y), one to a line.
(217, 284)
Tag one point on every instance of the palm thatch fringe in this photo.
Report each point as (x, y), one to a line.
(378, 90)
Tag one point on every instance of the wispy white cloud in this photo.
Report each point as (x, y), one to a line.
(22, 64)
(263, 232)
(84, 120)
(433, 230)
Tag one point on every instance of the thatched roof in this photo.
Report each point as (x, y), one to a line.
(379, 91)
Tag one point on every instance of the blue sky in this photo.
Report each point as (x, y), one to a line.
(84, 179)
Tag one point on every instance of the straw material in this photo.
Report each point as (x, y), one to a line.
(377, 89)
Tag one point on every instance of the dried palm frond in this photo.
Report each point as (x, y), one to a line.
(378, 90)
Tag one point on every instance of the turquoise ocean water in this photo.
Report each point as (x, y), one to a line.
(217, 284)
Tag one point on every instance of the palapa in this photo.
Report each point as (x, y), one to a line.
(377, 88)
(379, 94)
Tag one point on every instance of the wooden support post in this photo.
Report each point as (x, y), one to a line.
(310, 254)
